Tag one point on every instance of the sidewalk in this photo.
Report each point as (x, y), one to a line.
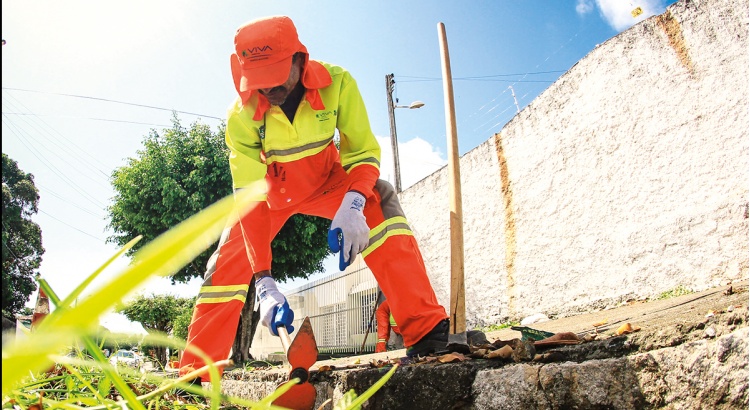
(691, 352)
(649, 316)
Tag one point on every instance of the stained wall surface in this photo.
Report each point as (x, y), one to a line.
(626, 178)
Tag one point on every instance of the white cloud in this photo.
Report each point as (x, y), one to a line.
(584, 7)
(618, 13)
(417, 160)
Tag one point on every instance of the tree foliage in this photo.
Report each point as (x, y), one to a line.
(22, 238)
(174, 176)
(157, 313)
(181, 172)
(182, 321)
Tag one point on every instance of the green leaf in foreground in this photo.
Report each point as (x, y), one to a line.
(95, 383)
(166, 254)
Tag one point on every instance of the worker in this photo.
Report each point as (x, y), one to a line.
(389, 335)
(281, 128)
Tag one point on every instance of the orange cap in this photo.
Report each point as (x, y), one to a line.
(264, 50)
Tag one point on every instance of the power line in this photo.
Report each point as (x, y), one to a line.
(43, 139)
(69, 202)
(17, 130)
(86, 118)
(54, 141)
(510, 104)
(113, 101)
(521, 80)
(478, 79)
(69, 225)
(481, 77)
(52, 166)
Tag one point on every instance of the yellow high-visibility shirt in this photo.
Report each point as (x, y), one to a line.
(297, 158)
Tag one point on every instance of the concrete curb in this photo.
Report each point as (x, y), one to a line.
(683, 357)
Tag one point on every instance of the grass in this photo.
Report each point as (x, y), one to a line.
(38, 374)
(672, 293)
(492, 328)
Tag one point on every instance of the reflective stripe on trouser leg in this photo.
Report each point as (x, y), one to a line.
(217, 311)
(394, 258)
(223, 294)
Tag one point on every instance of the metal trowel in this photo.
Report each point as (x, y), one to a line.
(301, 353)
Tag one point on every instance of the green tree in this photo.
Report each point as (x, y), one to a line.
(182, 171)
(22, 238)
(174, 176)
(181, 322)
(157, 313)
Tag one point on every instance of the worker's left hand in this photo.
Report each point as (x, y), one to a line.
(274, 309)
(350, 223)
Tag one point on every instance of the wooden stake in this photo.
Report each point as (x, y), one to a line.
(458, 303)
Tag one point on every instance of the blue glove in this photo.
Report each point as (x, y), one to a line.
(273, 307)
(284, 316)
(335, 239)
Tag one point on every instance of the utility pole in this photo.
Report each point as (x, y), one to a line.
(389, 83)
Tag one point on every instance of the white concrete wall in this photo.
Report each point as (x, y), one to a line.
(626, 178)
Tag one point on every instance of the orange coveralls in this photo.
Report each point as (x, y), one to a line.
(386, 322)
(307, 174)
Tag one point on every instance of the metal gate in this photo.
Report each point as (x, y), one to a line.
(340, 307)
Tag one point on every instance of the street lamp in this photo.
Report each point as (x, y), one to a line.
(389, 83)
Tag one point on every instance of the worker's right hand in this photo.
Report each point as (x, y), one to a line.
(380, 347)
(349, 232)
(274, 309)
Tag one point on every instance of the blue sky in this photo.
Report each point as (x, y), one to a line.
(84, 82)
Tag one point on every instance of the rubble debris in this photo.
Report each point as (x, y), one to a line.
(589, 337)
(524, 351)
(452, 358)
(559, 339)
(600, 323)
(504, 352)
(626, 328)
(528, 333)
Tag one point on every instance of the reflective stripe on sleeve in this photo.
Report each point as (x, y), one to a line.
(370, 160)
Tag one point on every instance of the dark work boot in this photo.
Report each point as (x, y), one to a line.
(476, 337)
(436, 341)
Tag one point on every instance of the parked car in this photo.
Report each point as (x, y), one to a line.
(127, 358)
